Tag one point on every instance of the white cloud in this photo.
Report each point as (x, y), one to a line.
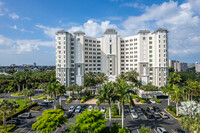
(92, 28)
(114, 18)
(11, 46)
(133, 4)
(48, 30)
(13, 16)
(27, 18)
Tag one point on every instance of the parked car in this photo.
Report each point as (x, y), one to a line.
(96, 108)
(150, 109)
(156, 115)
(69, 115)
(43, 104)
(132, 110)
(14, 121)
(71, 109)
(152, 101)
(90, 108)
(178, 130)
(148, 115)
(103, 110)
(82, 109)
(48, 101)
(78, 109)
(148, 101)
(164, 115)
(25, 115)
(161, 130)
(156, 109)
(143, 110)
(134, 115)
(137, 100)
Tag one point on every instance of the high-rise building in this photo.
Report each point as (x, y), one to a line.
(171, 63)
(146, 52)
(197, 67)
(180, 66)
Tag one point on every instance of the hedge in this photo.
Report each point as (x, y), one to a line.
(82, 101)
(69, 100)
(17, 94)
(9, 128)
(157, 100)
(24, 109)
(172, 113)
(36, 108)
(172, 108)
(142, 101)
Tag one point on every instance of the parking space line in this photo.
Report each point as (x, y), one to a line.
(22, 130)
(56, 130)
(155, 131)
(29, 130)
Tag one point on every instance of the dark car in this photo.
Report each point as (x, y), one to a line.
(43, 104)
(82, 109)
(150, 109)
(178, 130)
(25, 115)
(148, 101)
(69, 115)
(15, 121)
(148, 115)
(156, 115)
(156, 109)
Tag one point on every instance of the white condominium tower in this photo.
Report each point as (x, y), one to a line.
(147, 53)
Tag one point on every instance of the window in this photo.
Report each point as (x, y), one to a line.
(150, 38)
(110, 49)
(144, 38)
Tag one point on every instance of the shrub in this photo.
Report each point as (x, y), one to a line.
(135, 96)
(172, 108)
(69, 100)
(49, 98)
(172, 113)
(124, 130)
(17, 94)
(9, 128)
(44, 97)
(114, 110)
(59, 107)
(36, 108)
(142, 101)
(82, 101)
(157, 100)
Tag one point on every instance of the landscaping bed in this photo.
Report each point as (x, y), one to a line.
(9, 128)
(114, 112)
(172, 110)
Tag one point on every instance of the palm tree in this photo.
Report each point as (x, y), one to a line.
(132, 76)
(107, 93)
(123, 90)
(14, 107)
(31, 92)
(174, 78)
(121, 78)
(25, 93)
(177, 96)
(8, 90)
(54, 89)
(186, 122)
(167, 89)
(89, 80)
(5, 107)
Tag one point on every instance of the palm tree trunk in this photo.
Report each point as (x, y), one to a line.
(60, 100)
(23, 86)
(110, 116)
(26, 86)
(54, 101)
(177, 108)
(119, 108)
(4, 121)
(123, 115)
(11, 117)
(25, 100)
(168, 100)
(18, 88)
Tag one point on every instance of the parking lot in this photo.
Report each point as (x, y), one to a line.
(132, 123)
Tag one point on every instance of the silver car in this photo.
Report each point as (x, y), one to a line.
(71, 109)
(78, 109)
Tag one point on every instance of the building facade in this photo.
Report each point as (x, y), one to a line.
(197, 67)
(171, 63)
(146, 52)
(180, 66)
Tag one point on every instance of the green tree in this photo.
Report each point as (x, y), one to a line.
(177, 96)
(90, 121)
(144, 129)
(5, 108)
(25, 93)
(167, 89)
(107, 93)
(123, 90)
(8, 90)
(90, 80)
(132, 76)
(14, 107)
(30, 93)
(49, 121)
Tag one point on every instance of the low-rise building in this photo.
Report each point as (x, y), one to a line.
(197, 67)
(180, 66)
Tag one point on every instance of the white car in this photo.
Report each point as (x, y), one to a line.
(134, 115)
(90, 108)
(161, 130)
(48, 101)
(78, 109)
(96, 108)
(71, 109)
(132, 110)
(103, 110)
(152, 101)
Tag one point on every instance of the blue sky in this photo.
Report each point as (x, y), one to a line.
(27, 27)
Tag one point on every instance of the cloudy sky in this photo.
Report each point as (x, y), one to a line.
(27, 27)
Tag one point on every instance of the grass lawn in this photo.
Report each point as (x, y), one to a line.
(21, 102)
(39, 96)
